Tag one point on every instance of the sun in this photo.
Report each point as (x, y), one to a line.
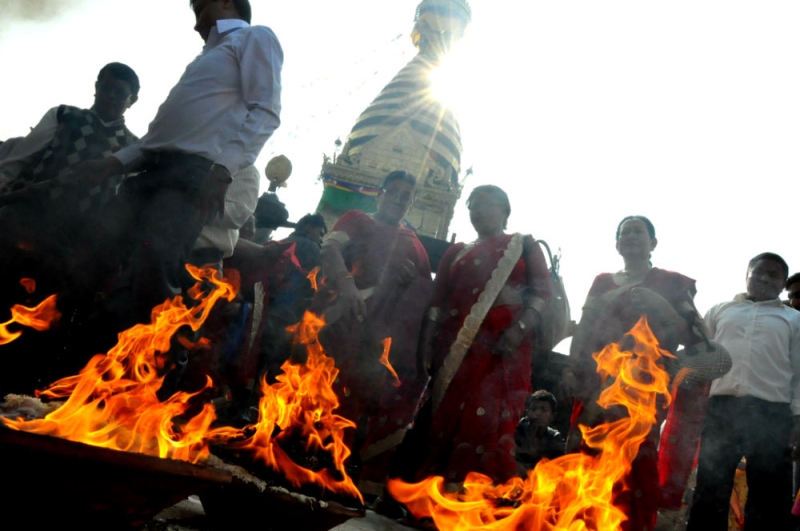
(450, 81)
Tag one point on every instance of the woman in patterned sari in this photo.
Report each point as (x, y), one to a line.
(477, 343)
(376, 286)
(615, 303)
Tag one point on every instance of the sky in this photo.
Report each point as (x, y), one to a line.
(585, 111)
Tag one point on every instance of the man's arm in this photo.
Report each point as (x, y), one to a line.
(240, 199)
(38, 139)
(129, 158)
(260, 62)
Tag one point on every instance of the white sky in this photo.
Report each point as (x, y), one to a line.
(584, 111)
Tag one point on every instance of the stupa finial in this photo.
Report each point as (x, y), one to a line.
(438, 24)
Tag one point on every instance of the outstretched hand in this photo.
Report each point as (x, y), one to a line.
(644, 300)
(351, 301)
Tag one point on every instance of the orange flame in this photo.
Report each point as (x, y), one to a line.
(387, 346)
(300, 404)
(112, 402)
(312, 277)
(573, 492)
(39, 318)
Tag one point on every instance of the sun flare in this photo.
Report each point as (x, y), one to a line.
(450, 80)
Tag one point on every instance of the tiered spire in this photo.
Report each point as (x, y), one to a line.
(406, 128)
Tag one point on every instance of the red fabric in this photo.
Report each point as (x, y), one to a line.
(680, 442)
(245, 363)
(376, 249)
(656, 479)
(365, 387)
(473, 427)
(620, 317)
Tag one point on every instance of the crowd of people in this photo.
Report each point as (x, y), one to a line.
(108, 221)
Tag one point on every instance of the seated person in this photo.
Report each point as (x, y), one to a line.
(290, 298)
(534, 437)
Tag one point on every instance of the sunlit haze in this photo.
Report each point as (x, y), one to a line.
(584, 111)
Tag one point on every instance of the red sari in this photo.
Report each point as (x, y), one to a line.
(368, 392)
(660, 471)
(472, 427)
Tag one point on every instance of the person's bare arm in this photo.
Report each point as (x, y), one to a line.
(338, 277)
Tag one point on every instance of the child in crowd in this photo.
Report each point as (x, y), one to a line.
(534, 437)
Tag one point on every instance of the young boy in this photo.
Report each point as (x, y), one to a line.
(534, 437)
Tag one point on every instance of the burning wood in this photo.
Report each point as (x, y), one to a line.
(571, 492)
(56, 483)
(298, 410)
(113, 404)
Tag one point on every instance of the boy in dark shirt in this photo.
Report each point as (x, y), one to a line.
(534, 437)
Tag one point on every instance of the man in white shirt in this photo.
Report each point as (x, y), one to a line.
(754, 410)
(212, 125)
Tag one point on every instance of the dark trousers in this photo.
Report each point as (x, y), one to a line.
(159, 220)
(759, 431)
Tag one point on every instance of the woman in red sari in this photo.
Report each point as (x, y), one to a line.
(477, 342)
(376, 286)
(615, 303)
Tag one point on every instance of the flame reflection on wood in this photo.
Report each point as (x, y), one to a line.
(573, 492)
(39, 318)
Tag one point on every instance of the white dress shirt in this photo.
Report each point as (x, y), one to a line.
(225, 106)
(763, 339)
(240, 203)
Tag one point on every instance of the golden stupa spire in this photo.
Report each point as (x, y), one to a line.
(406, 128)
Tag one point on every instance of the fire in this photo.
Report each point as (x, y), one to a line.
(112, 403)
(384, 360)
(312, 277)
(573, 492)
(39, 318)
(300, 406)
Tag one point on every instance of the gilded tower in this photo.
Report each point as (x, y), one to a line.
(406, 128)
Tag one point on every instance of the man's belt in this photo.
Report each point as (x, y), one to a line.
(155, 159)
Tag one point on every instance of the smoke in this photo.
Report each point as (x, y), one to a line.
(35, 10)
